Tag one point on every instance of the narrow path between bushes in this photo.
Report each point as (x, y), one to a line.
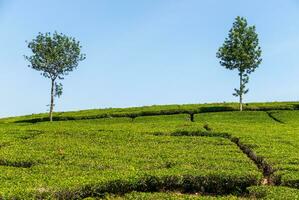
(270, 114)
(260, 162)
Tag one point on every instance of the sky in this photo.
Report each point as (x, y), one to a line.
(146, 52)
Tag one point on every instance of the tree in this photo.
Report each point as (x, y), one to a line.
(241, 51)
(54, 55)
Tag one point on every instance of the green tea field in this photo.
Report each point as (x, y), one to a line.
(199, 151)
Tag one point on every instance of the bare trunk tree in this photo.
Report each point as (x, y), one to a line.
(52, 100)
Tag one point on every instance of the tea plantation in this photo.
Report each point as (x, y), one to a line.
(199, 151)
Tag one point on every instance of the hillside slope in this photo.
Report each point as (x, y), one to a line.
(180, 151)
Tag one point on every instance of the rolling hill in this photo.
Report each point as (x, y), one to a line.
(193, 151)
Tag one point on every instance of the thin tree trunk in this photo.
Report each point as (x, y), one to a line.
(52, 100)
(241, 92)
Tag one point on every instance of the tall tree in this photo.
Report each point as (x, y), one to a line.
(241, 51)
(54, 55)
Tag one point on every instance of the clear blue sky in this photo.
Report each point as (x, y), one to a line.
(146, 52)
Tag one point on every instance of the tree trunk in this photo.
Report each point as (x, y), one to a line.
(241, 103)
(52, 100)
(241, 92)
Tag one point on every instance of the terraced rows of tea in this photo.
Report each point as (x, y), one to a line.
(207, 151)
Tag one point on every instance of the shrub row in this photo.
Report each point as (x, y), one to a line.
(204, 185)
(157, 110)
(200, 133)
(22, 164)
(210, 184)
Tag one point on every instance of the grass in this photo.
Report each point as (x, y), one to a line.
(112, 157)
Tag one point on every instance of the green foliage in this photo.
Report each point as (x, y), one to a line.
(58, 89)
(273, 141)
(92, 158)
(54, 55)
(118, 156)
(241, 51)
(273, 193)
